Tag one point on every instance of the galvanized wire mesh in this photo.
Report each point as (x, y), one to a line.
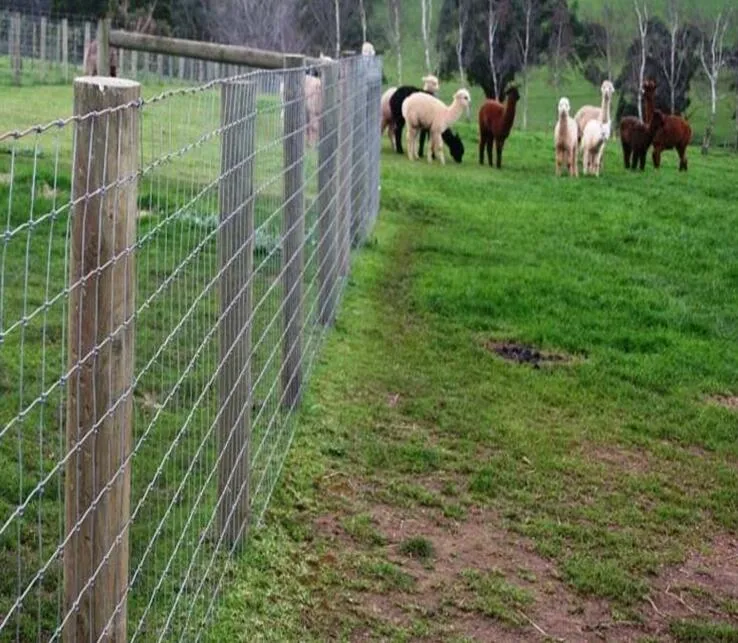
(168, 270)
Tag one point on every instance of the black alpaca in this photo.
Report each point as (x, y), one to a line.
(452, 141)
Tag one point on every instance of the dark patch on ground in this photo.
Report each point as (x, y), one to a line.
(525, 354)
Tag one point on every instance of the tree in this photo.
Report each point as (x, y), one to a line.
(524, 40)
(494, 17)
(641, 10)
(560, 42)
(462, 20)
(257, 23)
(362, 13)
(426, 8)
(713, 60)
(395, 35)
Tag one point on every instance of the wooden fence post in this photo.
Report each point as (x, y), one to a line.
(134, 63)
(65, 47)
(15, 47)
(327, 195)
(88, 37)
(181, 68)
(344, 168)
(103, 47)
(236, 260)
(58, 45)
(160, 65)
(358, 159)
(293, 230)
(42, 37)
(99, 426)
(145, 63)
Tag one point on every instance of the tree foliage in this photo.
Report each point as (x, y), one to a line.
(658, 48)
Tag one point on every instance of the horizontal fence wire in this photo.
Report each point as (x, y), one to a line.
(169, 267)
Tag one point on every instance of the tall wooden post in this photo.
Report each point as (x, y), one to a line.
(236, 260)
(102, 278)
(88, 37)
(65, 47)
(345, 158)
(327, 195)
(15, 47)
(134, 63)
(42, 38)
(358, 160)
(160, 65)
(293, 233)
(181, 68)
(103, 47)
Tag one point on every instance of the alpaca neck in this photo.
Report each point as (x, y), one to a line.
(454, 112)
(648, 115)
(605, 109)
(563, 123)
(509, 117)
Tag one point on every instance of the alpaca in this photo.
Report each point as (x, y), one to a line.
(587, 113)
(90, 60)
(565, 139)
(675, 133)
(636, 138)
(367, 49)
(387, 122)
(495, 122)
(423, 111)
(430, 86)
(595, 136)
(313, 108)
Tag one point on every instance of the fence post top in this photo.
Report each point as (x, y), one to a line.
(105, 82)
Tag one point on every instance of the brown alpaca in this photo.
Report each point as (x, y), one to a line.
(636, 137)
(90, 60)
(495, 122)
(674, 134)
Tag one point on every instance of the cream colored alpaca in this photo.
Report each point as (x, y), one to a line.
(313, 108)
(430, 84)
(423, 111)
(565, 139)
(594, 138)
(367, 49)
(587, 113)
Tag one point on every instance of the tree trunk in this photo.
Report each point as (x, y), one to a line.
(362, 10)
(337, 10)
(707, 140)
(426, 12)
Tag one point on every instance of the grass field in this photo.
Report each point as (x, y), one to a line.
(437, 491)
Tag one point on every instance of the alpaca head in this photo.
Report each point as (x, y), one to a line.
(513, 94)
(455, 146)
(607, 88)
(431, 84)
(367, 49)
(649, 87)
(564, 106)
(463, 99)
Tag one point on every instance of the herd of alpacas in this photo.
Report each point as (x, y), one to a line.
(584, 135)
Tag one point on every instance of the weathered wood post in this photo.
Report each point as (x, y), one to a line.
(103, 47)
(88, 37)
(65, 47)
(236, 260)
(102, 277)
(293, 230)
(181, 68)
(344, 167)
(145, 63)
(160, 65)
(42, 38)
(134, 63)
(328, 195)
(358, 160)
(15, 47)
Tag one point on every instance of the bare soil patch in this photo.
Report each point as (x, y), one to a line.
(726, 401)
(526, 354)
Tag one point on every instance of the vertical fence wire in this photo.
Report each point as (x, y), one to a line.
(162, 304)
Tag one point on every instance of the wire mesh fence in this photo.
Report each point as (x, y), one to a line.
(168, 270)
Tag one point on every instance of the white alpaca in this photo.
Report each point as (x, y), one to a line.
(588, 113)
(313, 106)
(387, 121)
(565, 139)
(594, 138)
(431, 84)
(423, 111)
(367, 49)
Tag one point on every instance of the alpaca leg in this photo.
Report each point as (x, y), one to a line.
(438, 144)
(398, 136)
(490, 143)
(641, 160)
(573, 162)
(626, 154)
(657, 157)
(682, 158)
(499, 144)
(558, 163)
(410, 143)
(423, 135)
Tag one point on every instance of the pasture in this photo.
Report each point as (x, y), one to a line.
(436, 488)
(441, 489)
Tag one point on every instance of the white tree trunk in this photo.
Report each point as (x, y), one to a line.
(524, 44)
(642, 14)
(712, 63)
(398, 42)
(426, 8)
(492, 24)
(462, 18)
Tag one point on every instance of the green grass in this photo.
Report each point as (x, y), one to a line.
(613, 467)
